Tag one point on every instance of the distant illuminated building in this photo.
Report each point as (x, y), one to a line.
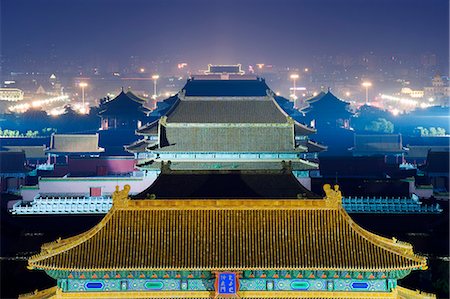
(11, 94)
(439, 91)
(416, 94)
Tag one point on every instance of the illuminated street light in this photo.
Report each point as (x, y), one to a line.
(347, 93)
(142, 70)
(367, 84)
(294, 77)
(155, 79)
(82, 85)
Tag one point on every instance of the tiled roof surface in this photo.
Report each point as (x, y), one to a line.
(227, 235)
(225, 111)
(378, 143)
(123, 104)
(74, 143)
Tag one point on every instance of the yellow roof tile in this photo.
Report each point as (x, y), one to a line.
(227, 235)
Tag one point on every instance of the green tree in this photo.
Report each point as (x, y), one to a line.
(31, 133)
(380, 125)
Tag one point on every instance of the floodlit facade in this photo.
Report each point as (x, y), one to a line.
(11, 94)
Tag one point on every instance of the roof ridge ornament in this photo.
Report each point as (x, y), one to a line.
(121, 197)
(333, 197)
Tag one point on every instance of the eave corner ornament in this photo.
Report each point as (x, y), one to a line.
(333, 196)
(120, 197)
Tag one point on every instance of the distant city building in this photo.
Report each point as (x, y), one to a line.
(439, 91)
(416, 94)
(11, 94)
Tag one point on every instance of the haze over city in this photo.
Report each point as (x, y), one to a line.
(286, 32)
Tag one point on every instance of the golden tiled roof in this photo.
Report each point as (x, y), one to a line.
(397, 293)
(232, 235)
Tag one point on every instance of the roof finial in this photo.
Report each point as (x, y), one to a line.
(333, 196)
(122, 88)
(329, 88)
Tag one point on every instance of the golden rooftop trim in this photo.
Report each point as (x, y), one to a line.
(274, 228)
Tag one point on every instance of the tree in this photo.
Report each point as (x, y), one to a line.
(380, 125)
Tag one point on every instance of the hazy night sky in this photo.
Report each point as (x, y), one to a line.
(202, 31)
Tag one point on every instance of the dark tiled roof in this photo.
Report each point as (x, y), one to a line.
(313, 147)
(248, 138)
(123, 104)
(12, 162)
(420, 152)
(162, 108)
(139, 146)
(226, 88)
(327, 104)
(288, 107)
(382, 143)
(135, 97)
(24, 141)
(148, 129)
(228, 184)
(31, 152)
(423, 140)
(218, 111)
(74, 143)
(437, 162)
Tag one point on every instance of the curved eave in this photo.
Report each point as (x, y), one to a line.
(316, 147)
(302, 129)
(299, 127)
(137, 146)
(400, 249)
(144, 130)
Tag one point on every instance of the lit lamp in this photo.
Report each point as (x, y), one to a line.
(83, 85)
(155, 79)
(367, 84)
(294, 77)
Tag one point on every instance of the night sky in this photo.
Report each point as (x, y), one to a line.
(202, 31)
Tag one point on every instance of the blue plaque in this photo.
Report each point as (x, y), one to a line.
(226, 284)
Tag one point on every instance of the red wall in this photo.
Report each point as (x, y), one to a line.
(101, 166)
